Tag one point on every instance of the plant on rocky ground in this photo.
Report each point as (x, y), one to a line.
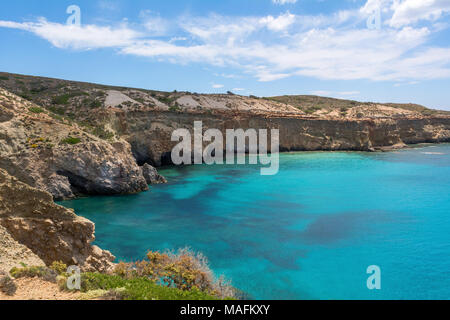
(59, 267)
(135, 288)
(71, 140)
(45, 273)
(7, 285)
(183, 270)
(36, 110)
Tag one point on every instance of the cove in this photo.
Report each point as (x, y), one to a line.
(309, 232)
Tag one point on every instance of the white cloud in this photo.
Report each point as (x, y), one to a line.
(282, 2)
(154, 23)
(336, 46)
(280, 23)
(217, 86)
(77, 37)
(407, 12)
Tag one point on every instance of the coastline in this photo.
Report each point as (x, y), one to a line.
(115, 148)
(202, 198)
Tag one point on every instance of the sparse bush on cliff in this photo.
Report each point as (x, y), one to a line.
(34, 272)
(64, 99)
(59, 267)
(183, 270)
(71, 140)
(102, 133)
(95, 104)
(57, 110)
(135, 288)
(36, 110)
(175, 107)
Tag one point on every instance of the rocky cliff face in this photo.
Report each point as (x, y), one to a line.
(146, 119)
(51, 232)
(56, 155)
(149, 132)
(13, 254)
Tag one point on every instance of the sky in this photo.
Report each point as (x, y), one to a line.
(366, 50)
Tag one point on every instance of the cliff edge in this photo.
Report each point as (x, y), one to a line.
(31, 221)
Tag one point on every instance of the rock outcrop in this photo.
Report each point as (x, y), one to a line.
(151, 175)
(51, 232)
(13, 254)
(58, 156)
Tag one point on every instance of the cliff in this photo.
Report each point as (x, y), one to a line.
(30, 218)
(56, 155)
(149, 132)
(147, 118)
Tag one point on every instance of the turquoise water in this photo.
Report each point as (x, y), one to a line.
(309, 232)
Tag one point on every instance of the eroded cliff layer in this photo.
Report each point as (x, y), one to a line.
(149, 132)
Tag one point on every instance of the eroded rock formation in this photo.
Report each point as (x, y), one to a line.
(149, 132)
(51, 232)
(58, 156)
(151, 175)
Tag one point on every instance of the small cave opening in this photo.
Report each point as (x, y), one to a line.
(166, 159)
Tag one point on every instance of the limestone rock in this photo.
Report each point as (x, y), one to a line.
(50, 231)
(61, 158)
(151, 175)
(14, 254)
(7, 285)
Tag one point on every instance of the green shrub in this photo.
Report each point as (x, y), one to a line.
(312, 110)
(36, 110)
(36, 90)
(95, 104)
(57, 110)
(138, 288)
(102, 133)
(34, 272)
(175, 108)
(64, 99)
(4, 78)
(71, 140)
(25, 96)
(184, 270)
(59, 267)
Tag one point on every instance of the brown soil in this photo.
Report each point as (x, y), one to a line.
(38, 289)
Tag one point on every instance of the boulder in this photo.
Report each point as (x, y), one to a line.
(151, 175)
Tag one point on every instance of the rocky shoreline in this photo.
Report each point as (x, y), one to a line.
(61, 139)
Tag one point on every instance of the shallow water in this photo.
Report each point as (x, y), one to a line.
(309, 232)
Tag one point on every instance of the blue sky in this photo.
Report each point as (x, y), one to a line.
(261, 47)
